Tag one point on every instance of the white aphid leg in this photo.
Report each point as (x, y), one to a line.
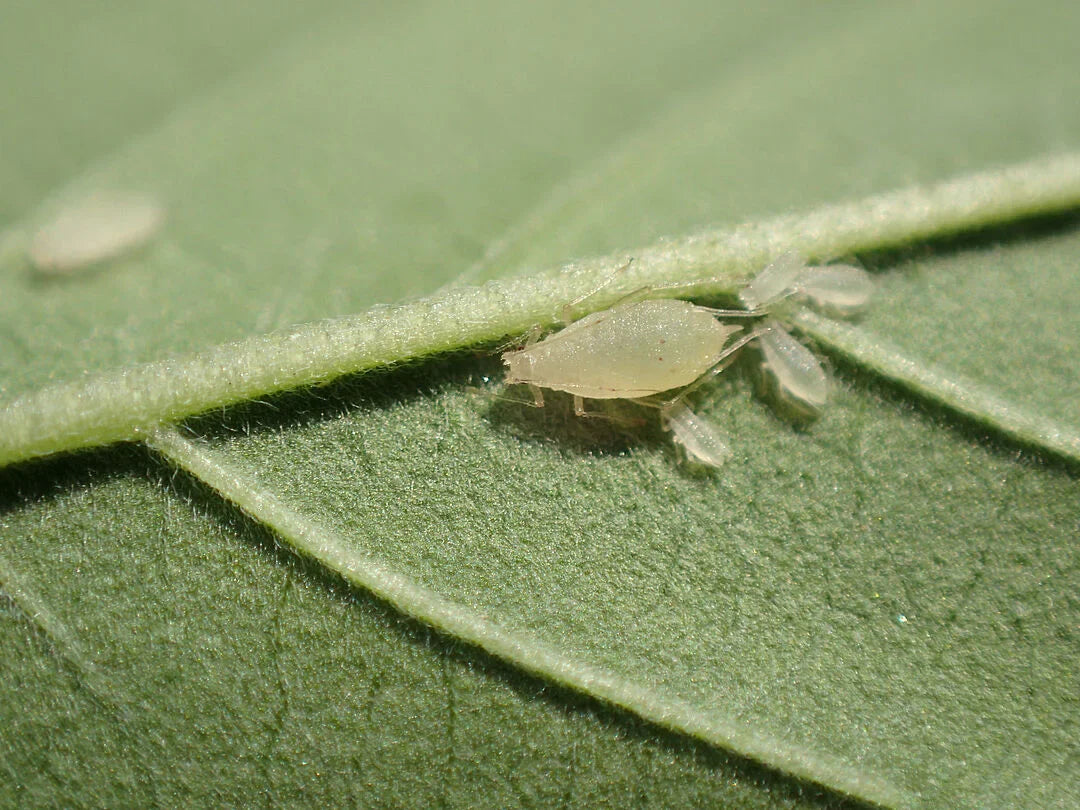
(533, 335)
(613, 418)
(538, 395)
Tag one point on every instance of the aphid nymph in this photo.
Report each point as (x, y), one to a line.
(790, 374)
(100, 227)
(699, 438)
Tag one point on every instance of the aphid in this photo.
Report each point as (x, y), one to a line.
(791, 377)
(790, 374)
(634, 351)
(840, 290)
(698, 437)
(100, 227)
(773, 283)
(637, 350)
(630, 351)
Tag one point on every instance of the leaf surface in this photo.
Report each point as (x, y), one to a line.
(884, 605)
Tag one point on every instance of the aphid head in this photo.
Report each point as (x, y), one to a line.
(519, 366)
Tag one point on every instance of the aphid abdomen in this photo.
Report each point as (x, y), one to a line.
(625, 352)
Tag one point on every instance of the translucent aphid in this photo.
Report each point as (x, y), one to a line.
(699, 438)
(774, 283)
(840, 290)
(790, 374)
(636, 350)
(630, 351)
(98, 228)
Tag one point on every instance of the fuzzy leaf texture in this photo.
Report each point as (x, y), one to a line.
(492, 604)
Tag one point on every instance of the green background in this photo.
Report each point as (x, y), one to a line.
(894, 588)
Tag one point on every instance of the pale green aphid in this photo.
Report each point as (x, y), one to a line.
(790, 374)
(635, 350)
(630, 351)
(99, 227)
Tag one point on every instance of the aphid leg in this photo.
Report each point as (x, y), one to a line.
(534, 335)
(538, 395)
(624, 421)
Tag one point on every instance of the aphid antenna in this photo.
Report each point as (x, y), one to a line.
(524, 341)
(646, 291)
(759, 311)
(568, 309)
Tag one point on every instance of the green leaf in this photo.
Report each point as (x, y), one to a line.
(883, 606)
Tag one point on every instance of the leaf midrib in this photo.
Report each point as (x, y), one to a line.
(129, 403)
